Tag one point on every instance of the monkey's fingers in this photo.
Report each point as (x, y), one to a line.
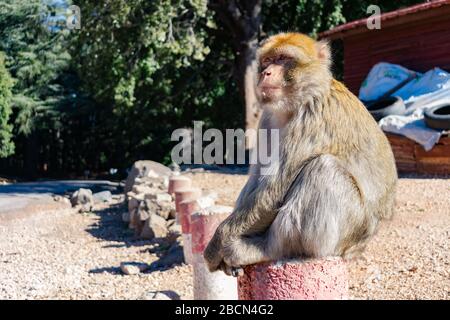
(213, 256)
(227, 269)
(213, 261)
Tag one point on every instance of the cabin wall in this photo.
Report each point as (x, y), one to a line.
(417, 45)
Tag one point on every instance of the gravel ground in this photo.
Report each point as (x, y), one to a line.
(67, 255)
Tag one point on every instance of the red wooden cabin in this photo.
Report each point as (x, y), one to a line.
(416, 37)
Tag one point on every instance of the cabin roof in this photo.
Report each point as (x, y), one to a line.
(416, 12)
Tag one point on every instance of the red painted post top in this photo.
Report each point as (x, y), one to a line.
(315, 279)
(204, 224)
(178, 182)
(187, 208)
(184, 194)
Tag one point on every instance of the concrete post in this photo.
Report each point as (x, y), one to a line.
(209, 285)
(183, 214)
(187, 208)
(177, 183)
(315, 279)
(183, 194)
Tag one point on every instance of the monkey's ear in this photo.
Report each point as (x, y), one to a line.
(323, 51)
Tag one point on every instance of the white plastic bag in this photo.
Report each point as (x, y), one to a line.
(412, 127)
(412, 124)
(382, 78)
(433, 80)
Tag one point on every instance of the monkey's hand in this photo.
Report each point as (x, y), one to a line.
(213, 253)
(231, 253)
(219, 257)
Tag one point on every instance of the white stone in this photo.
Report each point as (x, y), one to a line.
(129, 268)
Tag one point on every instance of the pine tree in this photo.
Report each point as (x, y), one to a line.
(6, 145)
(36, 57)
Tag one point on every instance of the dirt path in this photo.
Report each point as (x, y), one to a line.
(67, 255)
(20, 200)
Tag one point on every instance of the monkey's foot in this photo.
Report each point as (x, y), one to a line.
(231, 271)
(236, 272)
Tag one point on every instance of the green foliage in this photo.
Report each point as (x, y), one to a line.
(307, 16)
(149, 66)
(125, 46)
(6, 146)
(35, 58)
(113, 91)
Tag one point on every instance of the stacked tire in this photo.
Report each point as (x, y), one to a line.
(438, 117)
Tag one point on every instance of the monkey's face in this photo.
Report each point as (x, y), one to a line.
(273, 77)
(289, 65)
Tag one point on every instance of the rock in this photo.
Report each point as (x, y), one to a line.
(61, 199)
(170, 222)
(162, 198)
(174, 233)
(133, 203)
(104, 196)
(142, 214)
(134, 221)
(163, 214)
(145, 168)
(161, 295)
(144, 190)
(156, 183)
(166, 210)
(150, 206)
(146, 208)
(118, 197)
(173, 212)
(131, 268)
(175, 168)
(165, 184)
(175, 228)
(82, 198)
(154, 226)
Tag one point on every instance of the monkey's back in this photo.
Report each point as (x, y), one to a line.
(368, 155)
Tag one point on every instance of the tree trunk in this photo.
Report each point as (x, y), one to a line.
(31, 159)
(246, 73)
(243, 19)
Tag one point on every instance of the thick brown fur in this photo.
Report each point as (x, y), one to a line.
(336, 176)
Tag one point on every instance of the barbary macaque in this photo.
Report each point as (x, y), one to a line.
(335, 178)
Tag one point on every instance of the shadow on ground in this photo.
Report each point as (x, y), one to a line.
(110, 227)
(59, 187)
(112, 270)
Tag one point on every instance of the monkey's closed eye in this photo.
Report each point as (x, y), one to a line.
(284, 58)
(265, 62)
